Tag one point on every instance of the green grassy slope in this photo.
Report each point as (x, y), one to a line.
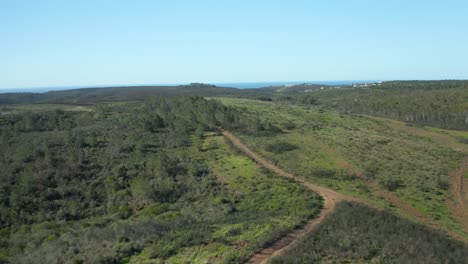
(327, 144)
(358, 234)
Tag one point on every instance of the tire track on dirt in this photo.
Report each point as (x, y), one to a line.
(458, 199)
(330, 197)
(457, 183)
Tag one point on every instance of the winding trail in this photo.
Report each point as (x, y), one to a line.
(458, 200)
(330, 197)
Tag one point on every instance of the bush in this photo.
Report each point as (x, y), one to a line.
(280, 147)
(324, 173)
(391, 184)
(289, 125)
(462, 140)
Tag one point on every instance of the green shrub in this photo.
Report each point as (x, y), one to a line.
(391, 184)
(280, 147)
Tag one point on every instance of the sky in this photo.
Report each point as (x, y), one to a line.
(84, 43)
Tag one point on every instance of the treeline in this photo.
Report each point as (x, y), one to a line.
(197, 114)
(434, 103)
(114, 94)
(30, 121)
(358, 234)
(425, 85)
(444, 108)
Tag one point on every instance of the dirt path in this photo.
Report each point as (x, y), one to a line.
(330, 200)
(459, 202)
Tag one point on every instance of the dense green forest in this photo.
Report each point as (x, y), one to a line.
(359, 234)
(114, 94)
(128, 182)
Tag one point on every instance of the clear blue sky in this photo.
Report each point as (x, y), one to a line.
(62, 43)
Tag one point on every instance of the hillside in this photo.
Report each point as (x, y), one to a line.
(146, 174)
(131, 183)
(434, 103)
(363, 157)
(113, 94)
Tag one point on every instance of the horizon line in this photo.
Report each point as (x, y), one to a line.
(220, 83)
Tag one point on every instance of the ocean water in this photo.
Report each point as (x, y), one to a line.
(240, 85)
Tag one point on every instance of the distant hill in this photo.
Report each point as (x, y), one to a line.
(115, 94)
(139, 93)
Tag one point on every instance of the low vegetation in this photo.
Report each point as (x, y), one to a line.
(280, 147)
(132, 183)
(359, 234)
(332, 149)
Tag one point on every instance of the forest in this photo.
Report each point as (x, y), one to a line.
(432, 103)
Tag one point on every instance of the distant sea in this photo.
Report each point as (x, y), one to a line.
(240, 85)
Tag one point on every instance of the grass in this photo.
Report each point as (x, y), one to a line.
(454, 139)
(413, 167)
(358, 234)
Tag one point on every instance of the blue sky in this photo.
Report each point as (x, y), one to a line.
(72, 43)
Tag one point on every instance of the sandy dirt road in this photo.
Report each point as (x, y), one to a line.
(330, 197)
